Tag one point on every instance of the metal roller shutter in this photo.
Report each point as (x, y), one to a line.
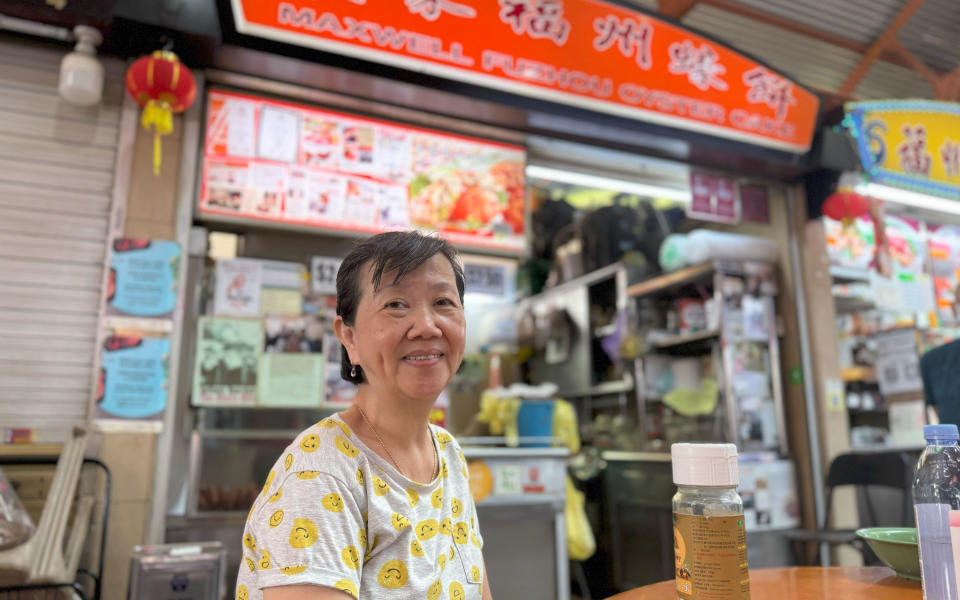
(57, 166)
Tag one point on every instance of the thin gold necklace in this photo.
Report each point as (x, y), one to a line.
(436, 466)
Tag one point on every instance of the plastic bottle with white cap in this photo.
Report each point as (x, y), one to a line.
(710, 541)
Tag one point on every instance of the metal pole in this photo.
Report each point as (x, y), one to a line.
(809, 393)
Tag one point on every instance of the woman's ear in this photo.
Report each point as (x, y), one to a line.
(346, 336)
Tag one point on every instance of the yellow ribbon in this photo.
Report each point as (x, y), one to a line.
(158, 117)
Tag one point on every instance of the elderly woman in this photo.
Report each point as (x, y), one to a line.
(374, 502)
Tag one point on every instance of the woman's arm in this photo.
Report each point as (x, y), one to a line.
(486, 586)
(306, 592)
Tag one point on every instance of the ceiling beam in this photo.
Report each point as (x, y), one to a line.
(884, 42)
(888, 55)
(675, 9)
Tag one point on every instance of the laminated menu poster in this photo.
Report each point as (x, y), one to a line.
(226, 361)
(291, 380)
(133, 379)
(290, 163)
(238, 288)
(142, 282)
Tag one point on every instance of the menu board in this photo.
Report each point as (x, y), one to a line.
(289, 163)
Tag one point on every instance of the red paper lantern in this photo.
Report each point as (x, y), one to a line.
(163, 87)
(846, 206)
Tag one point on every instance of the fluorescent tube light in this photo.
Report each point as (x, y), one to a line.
(893, 195)
(607, 183)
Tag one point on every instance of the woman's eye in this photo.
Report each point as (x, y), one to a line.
(395, 305)
(446, 302)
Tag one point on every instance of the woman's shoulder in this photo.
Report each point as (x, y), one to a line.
(325, 447)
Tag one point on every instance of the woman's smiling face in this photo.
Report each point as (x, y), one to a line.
(408, 336)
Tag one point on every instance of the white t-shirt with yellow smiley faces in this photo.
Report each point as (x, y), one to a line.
(334, 513)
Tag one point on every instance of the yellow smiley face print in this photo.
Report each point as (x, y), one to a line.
(362, 538)
(288, 462)
(400, 522)
(474, 540)
(380, 487)
(446, 526)
(393, 575)
(250, 564)
(344, 445)
(456, 591)
(360, 476)
(436, 588)
(436, 498)
(332, 502)
(276, 495)
(351, 557)
(307, 474)
(293, 570)
(461, 532)
(444, 473)
(270, 478)
(456, 507)
(444, 439)
(329, 423)
(376, 540)
(475, 574)
(303, 534)
(451, 553)
(415, 548)
(276, 518)
(442, 561)
(310, 442)
(345, 585)
(426, 530)
(264, 563)
(413, 497)
(242, 593)
(250, 542)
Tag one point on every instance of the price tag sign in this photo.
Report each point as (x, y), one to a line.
(485, 279)
(323, 274)
(507, 480)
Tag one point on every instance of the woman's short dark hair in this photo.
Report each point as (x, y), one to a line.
(398, 252)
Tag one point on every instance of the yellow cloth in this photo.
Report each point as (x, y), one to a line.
(691, 403)
(500, 414)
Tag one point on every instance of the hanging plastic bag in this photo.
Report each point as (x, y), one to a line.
(16, 526)
(580, 541)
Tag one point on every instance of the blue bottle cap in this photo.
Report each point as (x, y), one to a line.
(945, 433)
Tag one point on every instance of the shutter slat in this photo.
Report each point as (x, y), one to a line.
(50, 274)
(56, 152)
(45, 128)
(44, 382)
(55, 176)
(25, 221)
(48, 298)
(33, 248)
(34, 196)
(49, 105)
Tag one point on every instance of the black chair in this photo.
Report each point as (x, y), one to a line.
(881, 469)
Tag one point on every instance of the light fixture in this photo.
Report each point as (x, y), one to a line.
(81, 73)
(607, 183)
(893, 195)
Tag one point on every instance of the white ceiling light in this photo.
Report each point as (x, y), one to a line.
(607, 183)
(893, 195)
(81, 74)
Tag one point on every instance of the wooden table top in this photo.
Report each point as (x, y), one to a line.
(806, 583)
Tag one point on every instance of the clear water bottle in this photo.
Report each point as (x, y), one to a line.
(936, 500)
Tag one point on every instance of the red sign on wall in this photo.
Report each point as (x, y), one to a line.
(713, 199)
(294, 164)
(585, 53)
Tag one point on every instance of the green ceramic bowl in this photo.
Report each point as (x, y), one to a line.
(896, 547)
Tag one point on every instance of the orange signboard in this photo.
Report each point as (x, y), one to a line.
(585, 53)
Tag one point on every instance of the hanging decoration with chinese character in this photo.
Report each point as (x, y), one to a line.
(913, 144)
(163, 87)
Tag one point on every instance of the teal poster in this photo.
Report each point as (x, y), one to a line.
(143, 278)
(133, 378)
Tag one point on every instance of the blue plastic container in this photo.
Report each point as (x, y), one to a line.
(535, 419)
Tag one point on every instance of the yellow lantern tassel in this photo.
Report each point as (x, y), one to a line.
(157, 116)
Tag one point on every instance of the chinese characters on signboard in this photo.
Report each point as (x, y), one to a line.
(589, 53)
